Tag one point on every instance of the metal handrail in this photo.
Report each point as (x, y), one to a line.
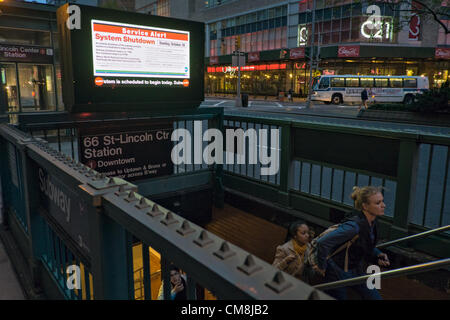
(415, 236)
(386, 274)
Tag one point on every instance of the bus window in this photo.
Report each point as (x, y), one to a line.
(366, 82)
(396, 82)
(410, 83)
(381, 82)
(324, 83)
(337, 82)
(352, 82)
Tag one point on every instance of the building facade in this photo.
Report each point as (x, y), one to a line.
(277, 39)
(30, 73)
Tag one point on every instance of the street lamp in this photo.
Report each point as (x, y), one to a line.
(311, 55)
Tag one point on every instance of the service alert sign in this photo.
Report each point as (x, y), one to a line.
(130, 153)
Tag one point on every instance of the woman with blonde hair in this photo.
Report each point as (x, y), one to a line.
(360, 234)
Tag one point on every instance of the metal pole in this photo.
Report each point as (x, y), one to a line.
(415, 236)
(387, 274)
(311, 54)
(238, 91)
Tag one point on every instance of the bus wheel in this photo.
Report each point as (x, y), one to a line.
(408, 99)
(336, 99)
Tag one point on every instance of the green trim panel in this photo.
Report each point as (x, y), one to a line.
(352, 151)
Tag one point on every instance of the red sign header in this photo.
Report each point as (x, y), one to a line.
(348, 51)
(297, 53)
(442, 53)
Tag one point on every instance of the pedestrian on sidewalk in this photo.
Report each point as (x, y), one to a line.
(290, 98)
(364, 97)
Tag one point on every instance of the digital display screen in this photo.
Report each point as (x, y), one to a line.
(124, 51)
(119, 61)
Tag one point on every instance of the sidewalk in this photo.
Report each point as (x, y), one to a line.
(10, 288)
(254, 98)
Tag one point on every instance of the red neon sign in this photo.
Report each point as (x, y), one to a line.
(259, 67)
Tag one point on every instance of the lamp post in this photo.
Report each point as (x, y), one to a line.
(238, 91)
(311, 54)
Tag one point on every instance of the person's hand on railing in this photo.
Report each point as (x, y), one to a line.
(319, 271)
(383, 260)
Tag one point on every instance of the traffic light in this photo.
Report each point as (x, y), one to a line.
(237, 43)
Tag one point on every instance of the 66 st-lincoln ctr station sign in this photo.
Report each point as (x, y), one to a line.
(153, 150)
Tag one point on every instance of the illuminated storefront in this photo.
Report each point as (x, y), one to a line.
(30, 77)
(349, 38)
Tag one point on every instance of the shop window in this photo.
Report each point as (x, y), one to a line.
(25, 37)
(410, 83)
(338, 82)
(381, 82)
(366, 82)
(9, 83)
(352, 82)
(396, 82)
(37, 89)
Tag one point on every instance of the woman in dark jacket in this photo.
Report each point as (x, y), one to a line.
(362, 230)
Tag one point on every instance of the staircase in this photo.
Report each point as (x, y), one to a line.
(253, 234)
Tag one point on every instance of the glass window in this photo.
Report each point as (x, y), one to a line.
(346, 10)
(324, 83)
(327, 14)
(262, 15)
(278, 12)
(366, 82)
(381, 82)
(302, 18)
(37, 89)
(8, 80)
(25, 37)
(357, 9)
(410, 83)
(352, 82)
(336, 12)
(396, 82)
(337, 82)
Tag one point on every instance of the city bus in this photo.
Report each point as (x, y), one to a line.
(338, 89)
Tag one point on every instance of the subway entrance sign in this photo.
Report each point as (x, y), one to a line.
(122, 61)
(132, 152)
